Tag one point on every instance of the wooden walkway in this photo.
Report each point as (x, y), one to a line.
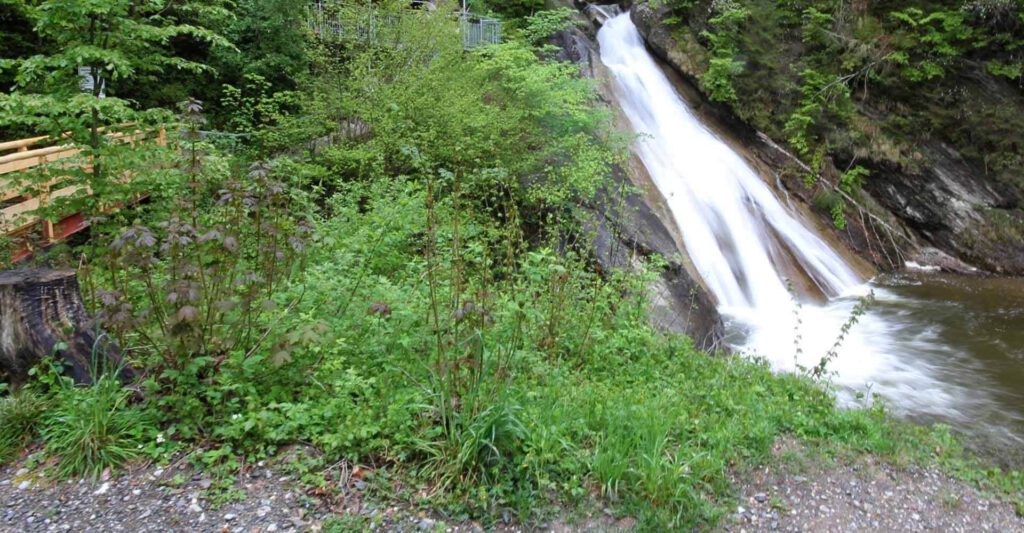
(21, 198)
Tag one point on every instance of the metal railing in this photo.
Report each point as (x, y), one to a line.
(477, 31)
(325, 21)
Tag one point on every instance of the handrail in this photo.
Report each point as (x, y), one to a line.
(18, 202)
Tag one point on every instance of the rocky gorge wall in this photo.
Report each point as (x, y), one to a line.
(924, 201)
(939, 209)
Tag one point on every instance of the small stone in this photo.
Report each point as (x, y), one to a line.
(230, 516)
(24, 485)
(272, 528)
(915, 516)
(136, 492)
(195, 508)
(760, 497)
(21, 472)
(426, 524)
(740, 510)
(158, 472)
(262, 511)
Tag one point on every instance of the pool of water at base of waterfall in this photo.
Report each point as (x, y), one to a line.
(938, 348)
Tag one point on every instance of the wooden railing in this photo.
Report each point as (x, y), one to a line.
(21, 198)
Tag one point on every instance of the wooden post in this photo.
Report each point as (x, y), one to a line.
(44, 201)
(41, 313)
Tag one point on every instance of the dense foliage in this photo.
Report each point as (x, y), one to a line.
(385, 259)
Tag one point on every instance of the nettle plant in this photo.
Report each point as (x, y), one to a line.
(194, 283)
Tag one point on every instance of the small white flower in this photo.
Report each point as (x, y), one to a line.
(159, 438)
(236, 416)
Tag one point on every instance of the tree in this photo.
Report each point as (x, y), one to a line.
(70, 90)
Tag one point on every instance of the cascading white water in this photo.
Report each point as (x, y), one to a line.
(738, 235)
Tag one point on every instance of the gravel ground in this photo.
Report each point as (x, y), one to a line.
(797, 493)
(153, 499)
(814, 495)
(171, 499)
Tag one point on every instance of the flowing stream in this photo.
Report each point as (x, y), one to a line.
(747, 245)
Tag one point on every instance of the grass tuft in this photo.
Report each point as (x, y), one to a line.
(93, 428)
(19, 415)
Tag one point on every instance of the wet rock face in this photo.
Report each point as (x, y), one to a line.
(954, 207)
(685, 54)
(625, 231)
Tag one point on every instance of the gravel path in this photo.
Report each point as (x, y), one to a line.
(797, 493)
(153, 499)
(801, 494)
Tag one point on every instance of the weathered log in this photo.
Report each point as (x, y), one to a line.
(41, 313)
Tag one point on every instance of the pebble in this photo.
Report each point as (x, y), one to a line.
(426, 524)
(103, 489)
(24, 485)
(761, 497)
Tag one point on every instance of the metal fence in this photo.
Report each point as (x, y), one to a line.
(326, 22)
(478, 31)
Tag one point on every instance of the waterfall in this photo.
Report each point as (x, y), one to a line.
(745, 244)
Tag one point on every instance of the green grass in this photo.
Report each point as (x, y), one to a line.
(19, 418)
(93, 428)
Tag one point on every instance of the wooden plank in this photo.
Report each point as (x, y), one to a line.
(21, 143)
(69, 190)
(29, 154)
(20, 217)
(14, 217)
(24, 160)
(10, 188)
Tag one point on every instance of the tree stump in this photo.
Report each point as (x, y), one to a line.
(41, 313)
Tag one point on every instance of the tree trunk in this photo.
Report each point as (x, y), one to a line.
(41, 313)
